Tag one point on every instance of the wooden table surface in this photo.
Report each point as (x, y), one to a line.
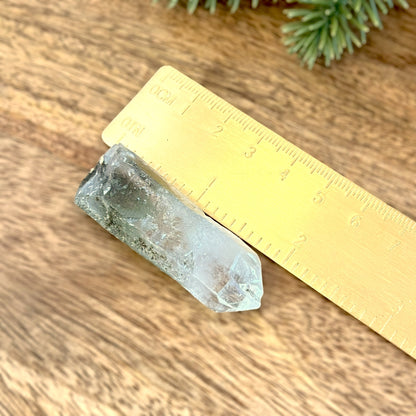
(87, 327)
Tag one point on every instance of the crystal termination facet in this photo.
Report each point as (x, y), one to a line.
(131, 201)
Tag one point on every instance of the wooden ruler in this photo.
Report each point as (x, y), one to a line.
(345, 243)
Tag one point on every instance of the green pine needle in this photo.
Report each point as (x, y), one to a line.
(322, 28)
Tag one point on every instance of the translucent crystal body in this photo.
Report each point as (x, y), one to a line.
(130, 200)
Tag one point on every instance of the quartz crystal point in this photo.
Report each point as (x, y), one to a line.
(130, 200)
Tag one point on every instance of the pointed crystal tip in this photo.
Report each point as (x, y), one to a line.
(242, 285)
(131, 201)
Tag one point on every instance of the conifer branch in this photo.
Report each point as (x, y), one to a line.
(322, 28)
(329, 27)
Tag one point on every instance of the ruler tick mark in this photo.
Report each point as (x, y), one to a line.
(294, 160)
(186, 109)
(196, 97)
(206, 189)
(334, 291)
(241, 229)
(267, 247)
(364, 207)
(329, 183)
(289, 255)
(385, 324)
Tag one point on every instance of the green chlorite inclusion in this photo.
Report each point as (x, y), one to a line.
(131, 201)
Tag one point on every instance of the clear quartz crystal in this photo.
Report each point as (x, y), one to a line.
(130, 200)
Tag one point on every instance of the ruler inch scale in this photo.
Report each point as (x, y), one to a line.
(344, 242)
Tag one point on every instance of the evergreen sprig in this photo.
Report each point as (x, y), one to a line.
(323, 28)
(329, 27)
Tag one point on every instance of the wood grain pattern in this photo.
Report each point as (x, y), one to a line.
(87, 327)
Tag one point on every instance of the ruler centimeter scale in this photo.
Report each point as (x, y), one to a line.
(339, 239)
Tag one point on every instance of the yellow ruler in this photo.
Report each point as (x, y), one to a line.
(345, 243)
